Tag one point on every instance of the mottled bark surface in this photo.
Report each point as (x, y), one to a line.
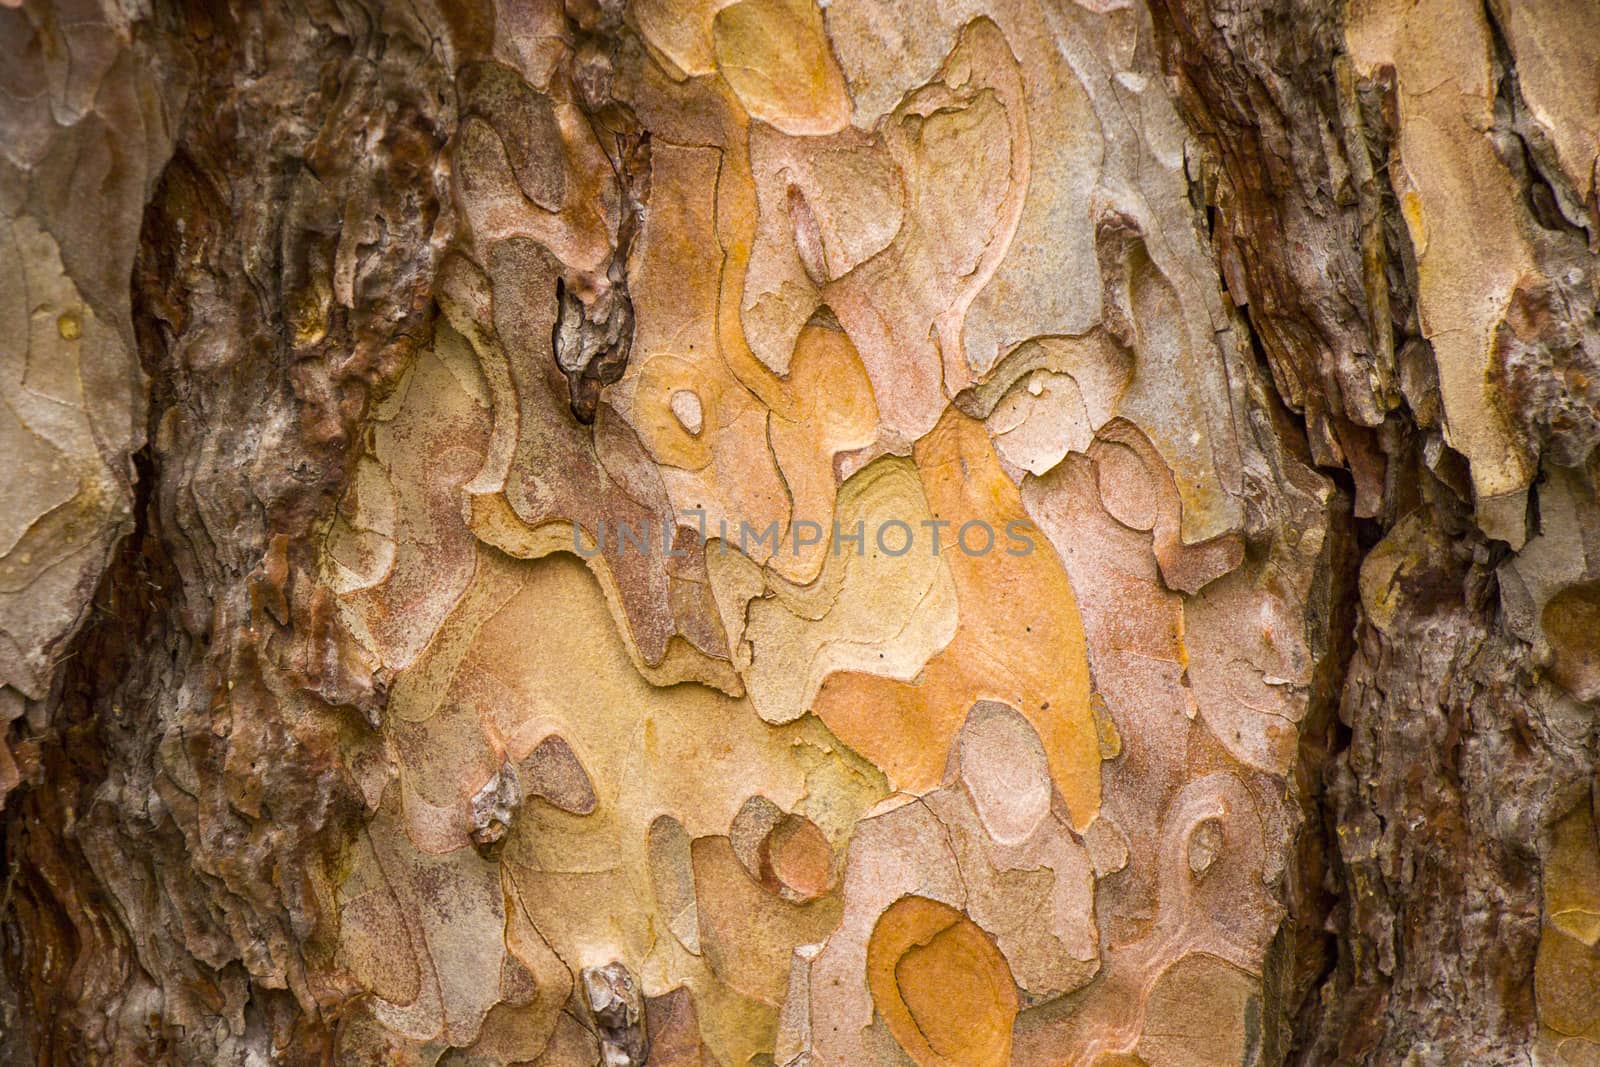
(430, 628)
(1408, 195)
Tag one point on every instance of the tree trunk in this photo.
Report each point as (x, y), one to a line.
(820, 535)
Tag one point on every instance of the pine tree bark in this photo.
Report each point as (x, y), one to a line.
(446, 615)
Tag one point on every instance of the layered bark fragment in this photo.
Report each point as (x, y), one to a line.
(1437, 157)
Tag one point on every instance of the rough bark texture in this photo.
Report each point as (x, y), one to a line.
(450, 601)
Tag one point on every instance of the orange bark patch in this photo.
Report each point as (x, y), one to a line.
(1020, 639)
(941, 985)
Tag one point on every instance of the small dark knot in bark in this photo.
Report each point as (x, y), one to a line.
(618, 1009)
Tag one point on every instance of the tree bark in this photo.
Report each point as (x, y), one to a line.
(822, 535)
